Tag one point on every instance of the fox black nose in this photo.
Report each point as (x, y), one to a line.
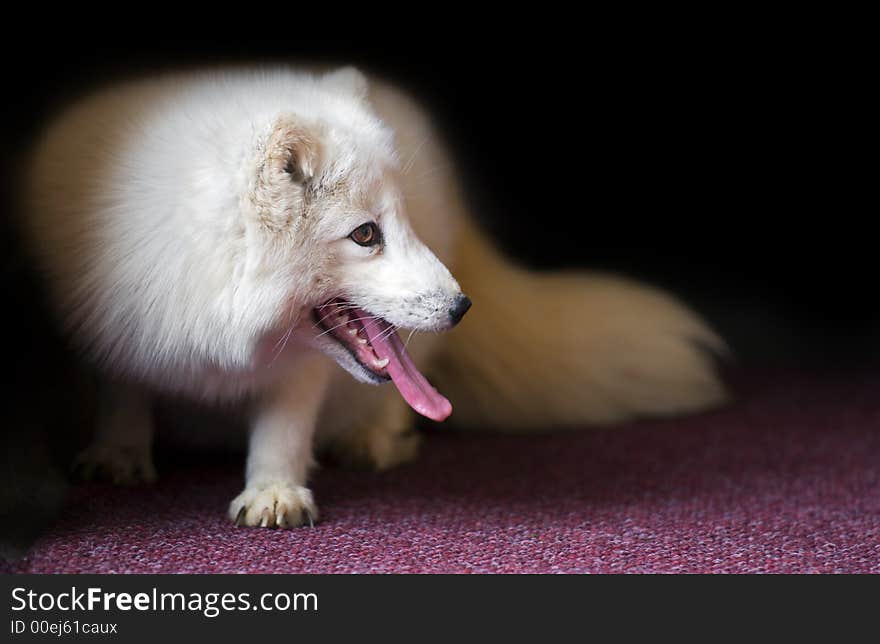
(461, 306)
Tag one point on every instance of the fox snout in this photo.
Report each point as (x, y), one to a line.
(459, 308)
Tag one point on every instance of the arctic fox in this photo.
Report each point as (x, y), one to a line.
(223, 233)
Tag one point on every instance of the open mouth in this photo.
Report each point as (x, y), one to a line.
(346, 324)
(373, 342)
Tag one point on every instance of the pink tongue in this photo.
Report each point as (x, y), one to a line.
(411, 384)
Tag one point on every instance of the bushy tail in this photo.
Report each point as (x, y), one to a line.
(570, 349)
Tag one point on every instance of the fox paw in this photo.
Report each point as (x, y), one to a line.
(277, 505)
(382, 442)
(121, 465)
(377, 450)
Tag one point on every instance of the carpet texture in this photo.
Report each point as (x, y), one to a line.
(786, 480)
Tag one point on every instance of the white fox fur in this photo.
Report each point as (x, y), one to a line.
(188, 225)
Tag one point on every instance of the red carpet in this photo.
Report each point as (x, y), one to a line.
(787, 479)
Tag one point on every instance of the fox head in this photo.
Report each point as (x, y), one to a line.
(325, 201)
(187, 222)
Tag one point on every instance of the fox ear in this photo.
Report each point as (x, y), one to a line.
(286, 162)
(292, 149)
(347, 80)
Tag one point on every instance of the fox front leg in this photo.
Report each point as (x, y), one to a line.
(280, 452)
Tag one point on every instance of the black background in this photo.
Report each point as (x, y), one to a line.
(722, 160)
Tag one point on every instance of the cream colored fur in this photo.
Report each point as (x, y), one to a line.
(187, 226)
(600, 349)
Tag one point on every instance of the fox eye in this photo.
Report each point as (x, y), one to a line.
(365, 235)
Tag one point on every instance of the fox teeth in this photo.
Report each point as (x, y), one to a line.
(381, 364)
(361, 340)
(351, 331)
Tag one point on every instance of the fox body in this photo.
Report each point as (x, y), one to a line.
(251, 231)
